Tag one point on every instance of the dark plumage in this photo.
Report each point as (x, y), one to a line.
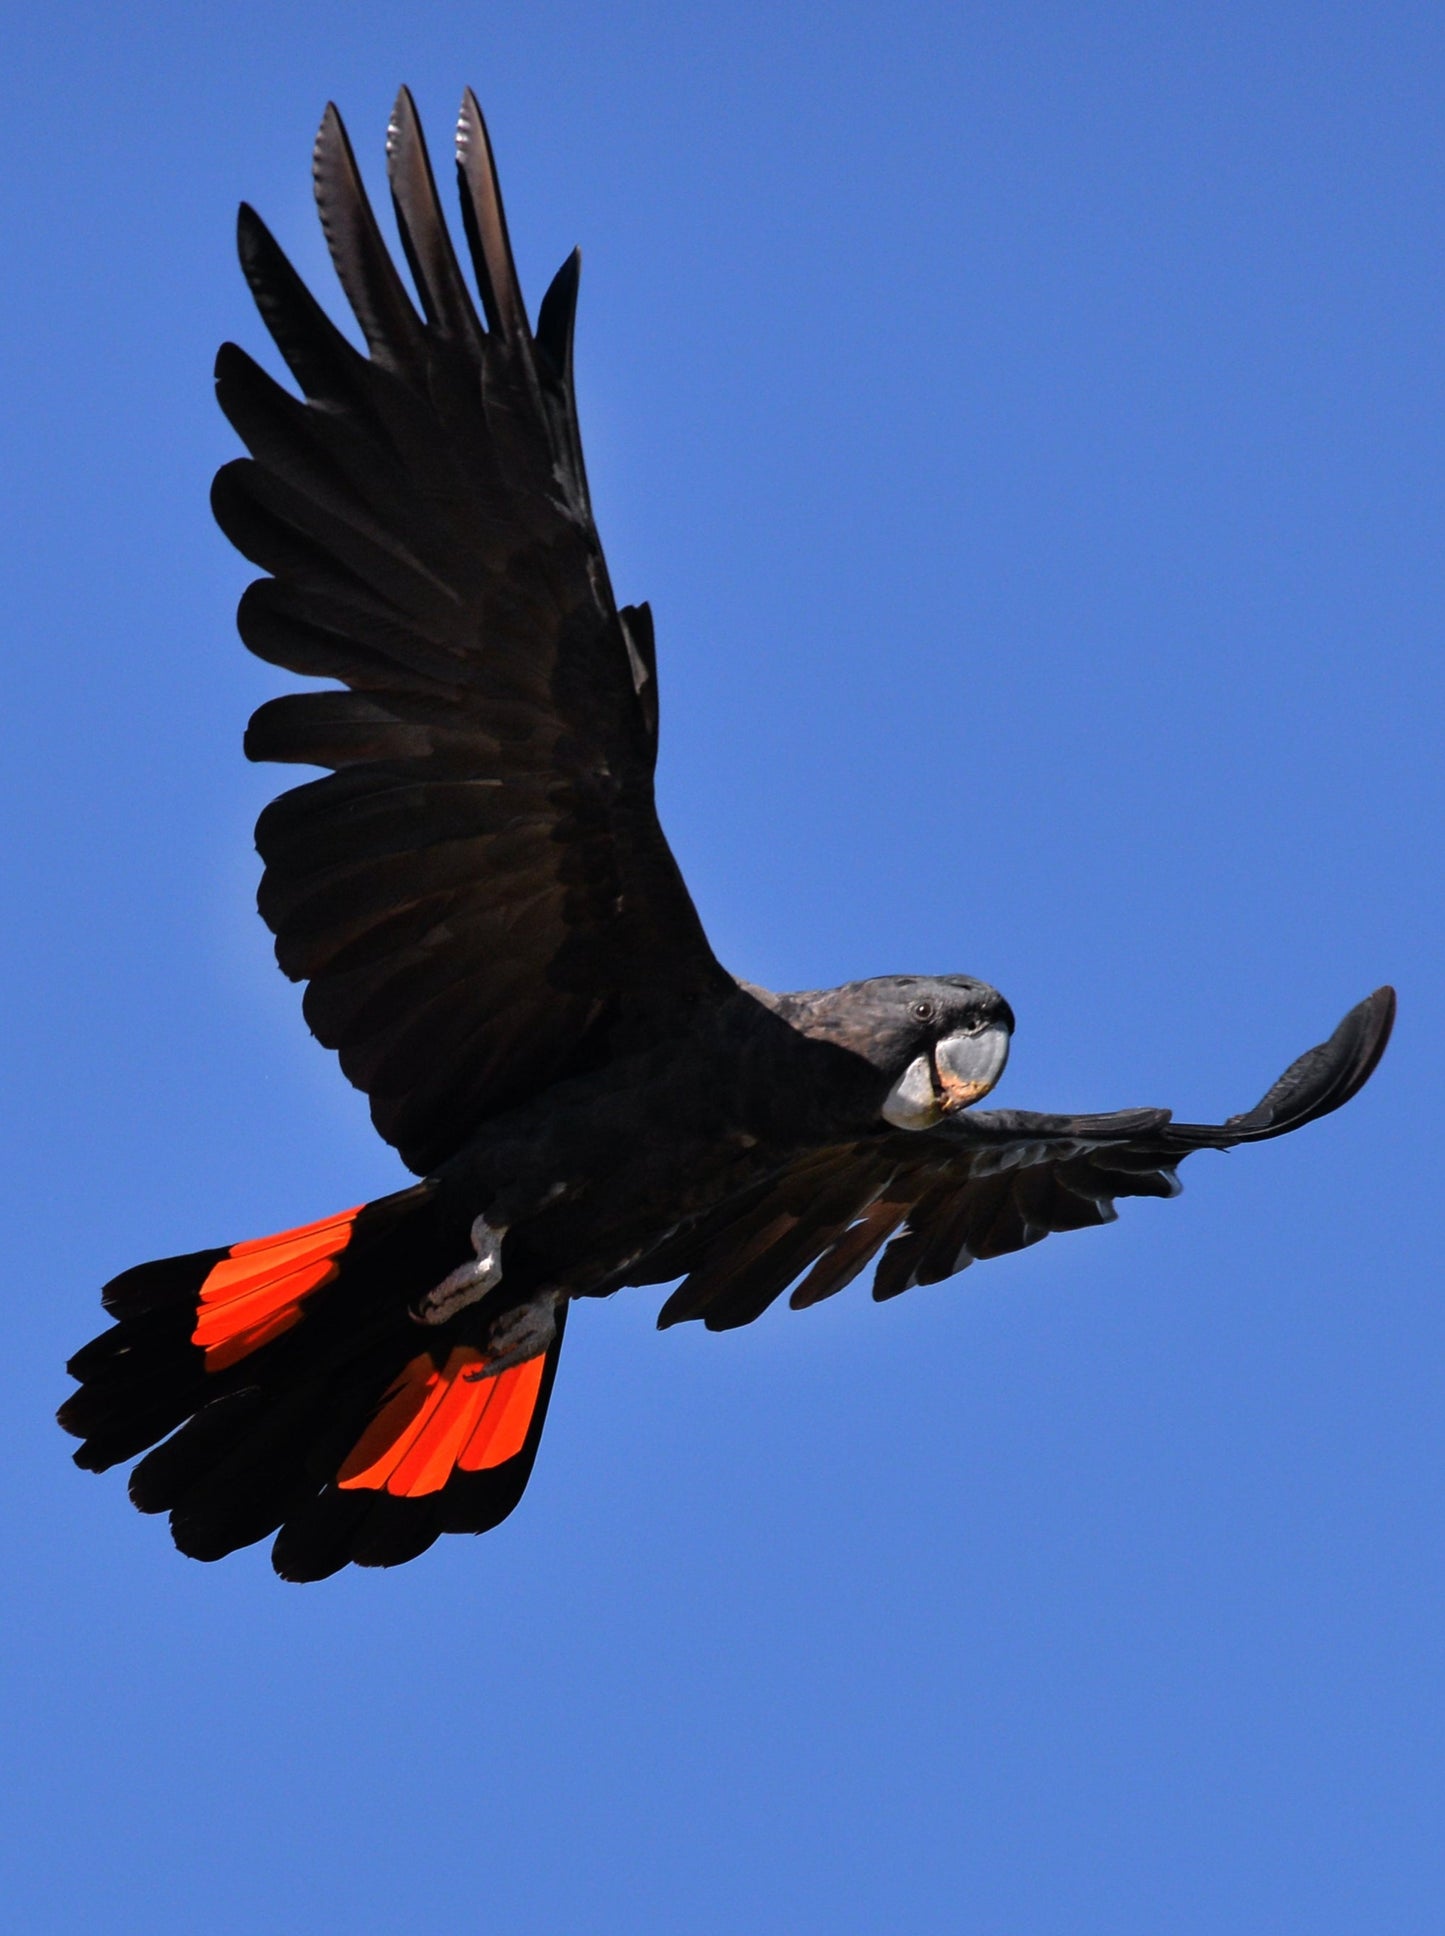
(498, 944)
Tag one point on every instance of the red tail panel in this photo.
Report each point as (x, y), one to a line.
(502, 1430)
(257, 1290)
(435, 1447)
(302, 1234)
(437, 1421)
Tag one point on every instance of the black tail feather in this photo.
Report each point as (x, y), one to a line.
(280, 1386)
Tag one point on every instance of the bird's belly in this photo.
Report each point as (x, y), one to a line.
(596, 1173)
(594, 1229)
(584, 1192)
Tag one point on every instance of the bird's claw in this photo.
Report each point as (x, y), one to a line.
(519, 1335)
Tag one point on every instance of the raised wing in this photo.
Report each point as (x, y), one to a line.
(982, 1184)
(480, 895)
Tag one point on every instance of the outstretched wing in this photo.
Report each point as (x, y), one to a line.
(479, 895)
(982, 1184)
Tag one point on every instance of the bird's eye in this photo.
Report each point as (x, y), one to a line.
(923, 1011)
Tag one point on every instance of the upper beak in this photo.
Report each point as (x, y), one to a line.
(961, 1069)
(968, 1066)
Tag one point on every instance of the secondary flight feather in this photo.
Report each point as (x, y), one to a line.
(497, 941)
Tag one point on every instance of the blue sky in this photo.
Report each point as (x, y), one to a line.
(1026, 422)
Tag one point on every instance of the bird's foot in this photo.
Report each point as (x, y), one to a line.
(521, 1334)
(469, 1282)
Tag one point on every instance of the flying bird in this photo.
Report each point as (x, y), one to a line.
(498, 943)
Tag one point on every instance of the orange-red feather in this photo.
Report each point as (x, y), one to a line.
(435, 1421)
(257, 1290)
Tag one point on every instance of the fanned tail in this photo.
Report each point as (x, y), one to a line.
(284, 1389)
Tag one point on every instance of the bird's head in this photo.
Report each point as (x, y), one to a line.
(939, 1042)
(949, 1040)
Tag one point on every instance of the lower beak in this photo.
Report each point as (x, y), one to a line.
(968, 1066)
(913, 1102)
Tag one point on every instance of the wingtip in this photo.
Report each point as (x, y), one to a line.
(329, 130)
(403, 110)
(1377, 1013)
(471, 131)
(557, 316)
(486, 225)
(402, 118)
(1323, 1079)
(331, 156)
(423, 228)
(673, 1312)
(251, 231)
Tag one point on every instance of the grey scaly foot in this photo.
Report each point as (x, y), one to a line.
(468, 1282)
(520, 1334)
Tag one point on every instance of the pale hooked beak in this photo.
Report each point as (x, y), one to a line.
(969, 1065)
(961, 1069)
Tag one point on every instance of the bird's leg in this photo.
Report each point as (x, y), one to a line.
(468, 1282)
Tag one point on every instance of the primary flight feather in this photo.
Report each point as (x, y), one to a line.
(497, 942)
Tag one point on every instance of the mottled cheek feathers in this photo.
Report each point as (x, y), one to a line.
(957, 1070)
